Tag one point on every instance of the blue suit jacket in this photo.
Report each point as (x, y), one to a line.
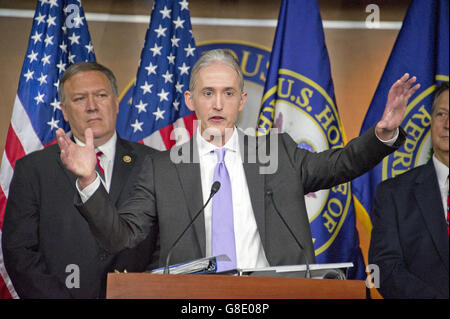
(409, 237)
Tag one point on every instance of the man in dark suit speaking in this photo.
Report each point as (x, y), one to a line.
(410, 220)
(242, 220)
(48, 247)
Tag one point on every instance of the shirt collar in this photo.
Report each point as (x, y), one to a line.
(441, 171)
(205, 147)
(108, 149)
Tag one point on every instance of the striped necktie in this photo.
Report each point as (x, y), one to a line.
(99, 167)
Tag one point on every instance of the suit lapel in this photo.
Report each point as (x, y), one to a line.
(190, 181)
(255, 180)
(124, 161)
(429, 201)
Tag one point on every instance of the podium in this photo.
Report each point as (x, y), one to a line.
(156, 286)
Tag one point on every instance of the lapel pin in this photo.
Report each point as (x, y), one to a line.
(126, 159)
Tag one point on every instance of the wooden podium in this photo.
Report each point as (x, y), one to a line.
(152, 286)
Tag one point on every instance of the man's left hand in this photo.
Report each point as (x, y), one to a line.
(394, 111)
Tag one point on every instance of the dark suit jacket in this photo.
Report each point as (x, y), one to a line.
(409, 237)
(169, 194)
(43, 233)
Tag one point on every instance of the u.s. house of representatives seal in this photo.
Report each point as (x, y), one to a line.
(304, 109)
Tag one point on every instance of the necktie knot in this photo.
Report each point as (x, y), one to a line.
(220, 153)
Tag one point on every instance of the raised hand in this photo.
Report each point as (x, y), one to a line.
(396, 103)
(78, 159)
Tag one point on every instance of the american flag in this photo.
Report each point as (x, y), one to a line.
(155, 106)
(59, 37)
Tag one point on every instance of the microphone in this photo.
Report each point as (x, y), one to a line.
(270, 194)
(214, 189)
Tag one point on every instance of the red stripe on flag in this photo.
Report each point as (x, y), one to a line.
(13, 147)
(51, 143)
(190, 123)
(165, 135)
(3, 200)
(4, 292)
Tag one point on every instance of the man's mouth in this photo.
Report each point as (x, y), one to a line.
(90, 121)
(216, 118)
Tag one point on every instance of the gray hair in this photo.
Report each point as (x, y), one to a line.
(83, 67)
(214, 56)
(441, 88)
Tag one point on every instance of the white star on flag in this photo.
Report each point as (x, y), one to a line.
(39, 98)
(175, 41)
(141, 107)
(163, 95)
(74, 39)
(178, 23)
(53, 124)
(46, 59)
(36, 37)
(161, 31)
(167, 77)
(189, 50)
(32, 56)
(171, 58)
(40, 18)
(151, 69)
(56, 105)
(51, 21)
(156, 50)
(159, 114)
(184, 5)
(146, 88)
(184, 69)
(137, 126)
(61, 66)
(29, 75)
(42, 79)
(89, 47)
(165, 12)
(48, 40)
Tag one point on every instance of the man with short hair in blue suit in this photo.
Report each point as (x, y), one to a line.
(410, 220)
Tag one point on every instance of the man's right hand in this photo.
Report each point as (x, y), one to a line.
(78, 159)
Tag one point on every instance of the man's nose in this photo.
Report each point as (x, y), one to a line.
(218, 102)
(91, 104)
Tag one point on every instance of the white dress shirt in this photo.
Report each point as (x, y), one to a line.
(106, 161)
(442, 176)
(249, 249)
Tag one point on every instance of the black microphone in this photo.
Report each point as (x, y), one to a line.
(214, 189)
(270, 194)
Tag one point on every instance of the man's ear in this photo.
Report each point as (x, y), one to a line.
(116, 100)
(243, 99)
(63, 110)
(188, 100)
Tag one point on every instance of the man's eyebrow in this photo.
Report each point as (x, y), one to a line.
(208, 88)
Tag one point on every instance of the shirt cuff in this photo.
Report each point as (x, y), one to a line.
(89, 190)
(390, 142)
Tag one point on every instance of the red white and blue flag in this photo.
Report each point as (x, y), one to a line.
(154, 105)
(59, 37)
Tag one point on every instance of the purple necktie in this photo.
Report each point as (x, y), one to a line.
(222, 216)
